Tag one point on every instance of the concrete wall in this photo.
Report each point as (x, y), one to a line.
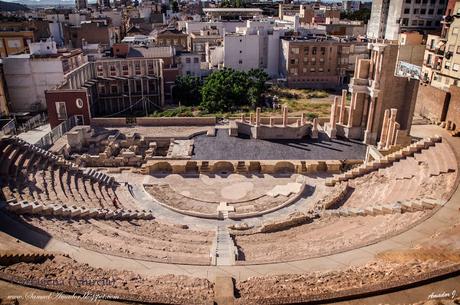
(244, 48)
(27, 79)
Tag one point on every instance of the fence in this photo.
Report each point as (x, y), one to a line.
(8, 128)
(50, 138)
(33, 122)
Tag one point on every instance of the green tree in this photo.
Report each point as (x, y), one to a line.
(186, 90)
(228, 90)
(175, 7)
(363, 14)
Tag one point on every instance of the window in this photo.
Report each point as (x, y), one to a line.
(79, 103)
(240, 62)
(306, 50)
(61, 111)
(313, 50)
(447, 65)
(312, 70)
(407, 11)
(416, 11)
(423, 11)
(196, 60)
(455, 67)
(187, 60)
(323, 50)
(430, 11)
(114, 89)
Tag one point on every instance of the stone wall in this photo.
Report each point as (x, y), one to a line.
(176, 121)
(431, 103)
(147, 121)
(219, 166)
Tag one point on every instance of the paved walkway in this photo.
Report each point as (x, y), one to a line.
(441, 220)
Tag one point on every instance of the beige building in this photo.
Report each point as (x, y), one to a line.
(319, 63)
(197, 41)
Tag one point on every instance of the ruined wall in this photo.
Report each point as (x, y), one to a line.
(147, 121)
(453, 112)
(431, 103)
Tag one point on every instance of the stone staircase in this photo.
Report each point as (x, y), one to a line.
(407, 206)
(224, 250)
(74, 212)
(387, 160)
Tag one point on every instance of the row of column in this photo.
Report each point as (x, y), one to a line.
(255, 120)
(390, 129)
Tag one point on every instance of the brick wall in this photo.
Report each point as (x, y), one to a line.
(69, 97)
(431, 102)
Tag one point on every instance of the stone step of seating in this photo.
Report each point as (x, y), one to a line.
(385, 161)
(407, 206)
(57, 210)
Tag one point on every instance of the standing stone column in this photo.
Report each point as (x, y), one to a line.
(352, 109)
(379, 68)
(370, 121)
(331, 131)
(298, 123)
(251, 118)
(342, 106)
(285, 116)
(314, 130)
(242, 117)
(392, 126)
(371, 65)
(257, 116)
(397, 127)
(302, 119)
(271, 121)
(384, 133)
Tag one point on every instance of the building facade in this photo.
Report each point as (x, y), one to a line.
(28, 76)
(108, 87)
(319, 63)
(391, 17)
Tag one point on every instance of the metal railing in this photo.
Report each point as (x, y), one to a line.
(50, 138)
(8, 128)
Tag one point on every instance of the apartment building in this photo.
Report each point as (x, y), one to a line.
(197, 41)
(391, 17)
(319, 62)
(255, 46)
(14, 34)
(107, 87)
(28, 75)
(171, 37)
(95, 31)
(439, 94)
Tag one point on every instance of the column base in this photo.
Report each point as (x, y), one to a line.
(314, 134)
(370, 138)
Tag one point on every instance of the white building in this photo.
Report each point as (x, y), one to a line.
(391, 17)
(28, 76)
(252, 47)
(190, 64)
